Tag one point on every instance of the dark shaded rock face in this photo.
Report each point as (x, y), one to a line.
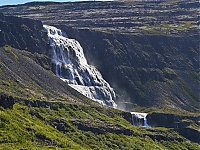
(163, 120)
(149, 70)
(101, 127)
(23, 33)
(60, 125)
(127, 116)
(6, 101)
(159, 137)
(181, 124)
(169, 120)
(35, 113)
(177, 123)
(189, 133)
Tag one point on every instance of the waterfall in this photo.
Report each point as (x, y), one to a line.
(139, 119)
(71, 66)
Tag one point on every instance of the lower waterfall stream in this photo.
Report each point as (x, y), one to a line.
(139, 119)
(71, 66)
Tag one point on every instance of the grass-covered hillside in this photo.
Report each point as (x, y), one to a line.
(39, 111)
(68, 126)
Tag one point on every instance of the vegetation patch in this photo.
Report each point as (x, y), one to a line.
(20, 127)
(9, 50)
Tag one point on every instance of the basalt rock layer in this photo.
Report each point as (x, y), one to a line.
(185, 125)
(147, 70)
(23, 33)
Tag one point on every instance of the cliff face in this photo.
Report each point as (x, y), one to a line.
(185, 125)
(149, 70)
(23, 33)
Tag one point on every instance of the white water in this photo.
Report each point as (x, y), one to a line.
(71, 66)
(139, 119)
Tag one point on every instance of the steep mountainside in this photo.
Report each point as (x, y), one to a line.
(23, 77)
(147, 51)
(40, 111)
(23, 33)
(150, 70)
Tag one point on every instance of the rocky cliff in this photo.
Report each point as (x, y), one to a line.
(23, 33)
(149, 70)
(185, 124)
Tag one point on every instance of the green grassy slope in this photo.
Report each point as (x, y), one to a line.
(65, 127)
(60, 118)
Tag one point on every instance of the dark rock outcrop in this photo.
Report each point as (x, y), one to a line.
(127, 116)
(101, 127)
(23, 33)
(181, 124)
(178, 123)
(35, 113)
(189, 133)
(6, 101)
(169, 120)
(159, 137)
(60, 125)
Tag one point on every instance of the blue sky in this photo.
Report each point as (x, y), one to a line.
(14, 2)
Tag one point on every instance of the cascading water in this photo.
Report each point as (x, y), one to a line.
(139, 119)
(71, 66)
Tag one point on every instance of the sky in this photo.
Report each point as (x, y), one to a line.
(14, 2)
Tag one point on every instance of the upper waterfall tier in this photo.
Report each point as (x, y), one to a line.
(71, 66)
